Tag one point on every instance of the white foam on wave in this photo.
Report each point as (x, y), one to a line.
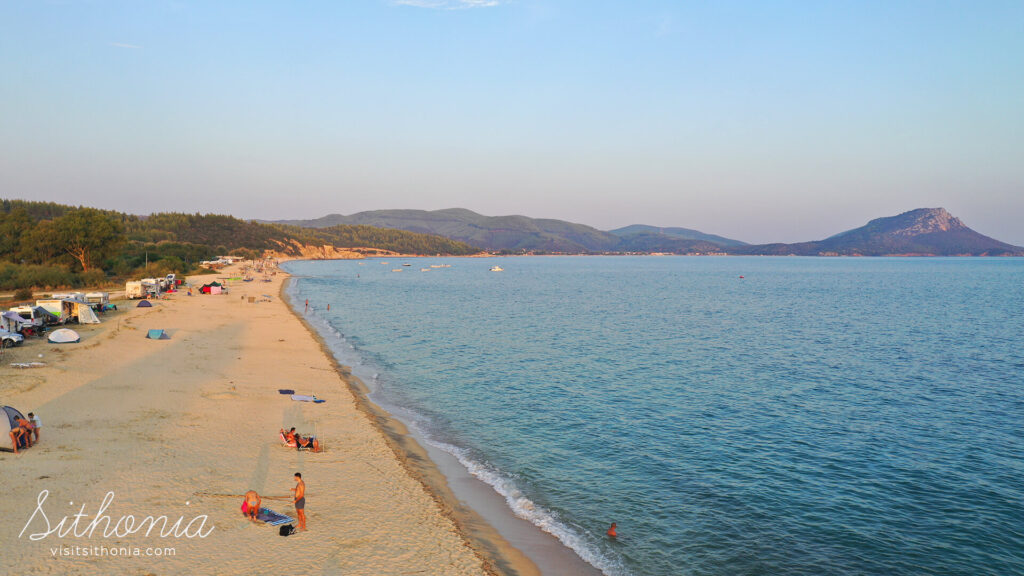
(528, 510)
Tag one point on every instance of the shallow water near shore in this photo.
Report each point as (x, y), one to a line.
(841, 416)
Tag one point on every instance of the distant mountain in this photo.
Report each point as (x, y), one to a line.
(518, 233)
(921, 232)
(681, 233)
(490, 232)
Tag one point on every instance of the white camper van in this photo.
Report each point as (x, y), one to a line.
(134, 289)
(98, 298)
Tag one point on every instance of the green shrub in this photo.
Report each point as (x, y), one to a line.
(22, 294)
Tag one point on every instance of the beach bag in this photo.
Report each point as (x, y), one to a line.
(286, 530)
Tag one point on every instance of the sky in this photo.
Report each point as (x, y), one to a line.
(763, 121)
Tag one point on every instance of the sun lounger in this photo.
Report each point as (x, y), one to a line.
(286, 442)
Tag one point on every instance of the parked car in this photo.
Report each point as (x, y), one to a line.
(9, 339)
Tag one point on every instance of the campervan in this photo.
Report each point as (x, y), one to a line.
(76, 296)
(152, 286)
(98, 300)
(134, 289)
(30, 314)
(59, 307)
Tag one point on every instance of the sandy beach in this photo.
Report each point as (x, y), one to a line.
(179, 427)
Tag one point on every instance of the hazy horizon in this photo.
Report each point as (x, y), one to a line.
(755, 122)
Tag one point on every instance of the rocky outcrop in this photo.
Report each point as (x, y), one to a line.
(293, 250)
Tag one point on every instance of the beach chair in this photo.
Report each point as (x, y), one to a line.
(285, 441)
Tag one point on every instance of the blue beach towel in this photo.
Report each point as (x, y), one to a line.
(288, 392)
(302, 398)
(273, 518)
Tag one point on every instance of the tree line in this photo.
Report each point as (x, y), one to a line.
(49, 245)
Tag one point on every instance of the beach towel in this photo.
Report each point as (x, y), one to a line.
(288, 392)
(302, 398)
(273, 518)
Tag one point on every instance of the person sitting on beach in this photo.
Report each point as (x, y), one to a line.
(251, 505)
(310, 443)
(289, 436)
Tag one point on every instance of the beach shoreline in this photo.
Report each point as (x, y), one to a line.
(181, 427)
(498, 555)
(515, 545)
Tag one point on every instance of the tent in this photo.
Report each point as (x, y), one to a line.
(212, 288)
(144, 304)
(85, 314)
(64, 336)
(157, 335)
(12, 415)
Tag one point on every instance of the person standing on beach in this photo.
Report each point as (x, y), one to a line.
(36, 425)
(300, 500)
(307, 305)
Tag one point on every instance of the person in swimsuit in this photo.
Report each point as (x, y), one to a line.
(16, 433)
(310, 443)
(252, 505)
(300, 500)
(26, 426)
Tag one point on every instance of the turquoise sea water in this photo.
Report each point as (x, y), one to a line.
(818, 416)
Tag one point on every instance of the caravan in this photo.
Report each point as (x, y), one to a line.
(99, 301)
(134, 289)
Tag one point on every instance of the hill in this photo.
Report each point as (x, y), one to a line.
(680, 233)
(921, 232)
(47, 245)
(521, 233)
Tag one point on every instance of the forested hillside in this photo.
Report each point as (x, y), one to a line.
(47, 245)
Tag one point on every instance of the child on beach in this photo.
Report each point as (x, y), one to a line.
(36, 425)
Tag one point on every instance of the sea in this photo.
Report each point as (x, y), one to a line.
(733, 415)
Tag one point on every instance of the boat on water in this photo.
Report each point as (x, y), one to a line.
(396, 269)
(497, 269)
(406, 264)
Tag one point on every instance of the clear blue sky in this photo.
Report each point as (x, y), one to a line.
(764, 121)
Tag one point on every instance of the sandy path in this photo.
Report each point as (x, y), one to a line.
(158, 421)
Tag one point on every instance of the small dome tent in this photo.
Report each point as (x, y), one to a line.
(64, 336)
(144, 304)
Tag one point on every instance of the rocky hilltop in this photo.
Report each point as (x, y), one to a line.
(921, 232)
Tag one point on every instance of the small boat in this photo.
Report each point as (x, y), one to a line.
(406, 264)
(424, 269)
(497, 269)
(396, 269)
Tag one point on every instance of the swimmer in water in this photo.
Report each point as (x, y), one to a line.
(611, 531)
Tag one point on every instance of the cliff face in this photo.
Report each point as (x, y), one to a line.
(295, 250)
